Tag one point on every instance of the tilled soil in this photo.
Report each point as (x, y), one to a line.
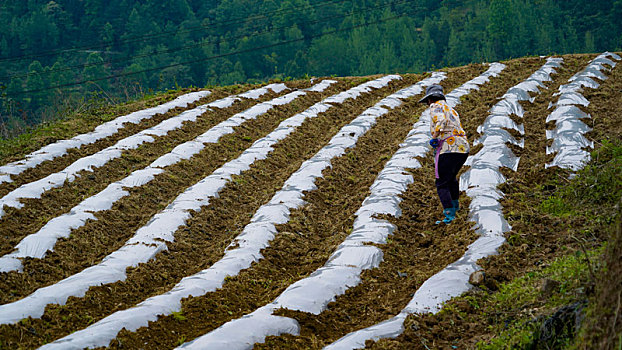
(89, 244)
(202, 241)
(303, 244)
(535, 239)
(17, 223)
(416, 251)
(57, 164)
(418, 248)
(79, 122)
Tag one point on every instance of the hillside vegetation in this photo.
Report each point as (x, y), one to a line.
(221, 214)
(55, 53)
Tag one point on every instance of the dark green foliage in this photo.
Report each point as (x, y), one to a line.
(127, 36)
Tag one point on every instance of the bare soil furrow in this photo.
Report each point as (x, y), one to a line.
(90, 119)
(530, 174)
(89, 244)
(37, 244)
(206, 235)
(418, 248)
(534, 238)
(554, 217)
(17, 223)
(304, 243)
(59, 163)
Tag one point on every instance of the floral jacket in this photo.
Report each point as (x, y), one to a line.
(445, 125)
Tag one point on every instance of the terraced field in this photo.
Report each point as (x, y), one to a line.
(291, 215)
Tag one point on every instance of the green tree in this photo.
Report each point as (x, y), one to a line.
(235, 76)
(136, 78)
(4, 47)
(590, 45)
(330, 55)
(15, 86)
(94, 71)
(434, 34)
(39, 33)
(499, 27)
(300, 17)
(615, 15)
(175, 11)
(36, 85)
(107, 35)
(287, 53)
(137, 26)
(60, 74)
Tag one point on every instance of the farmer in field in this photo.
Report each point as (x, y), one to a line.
(451, 149)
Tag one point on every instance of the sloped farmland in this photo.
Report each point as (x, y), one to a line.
(291, 215)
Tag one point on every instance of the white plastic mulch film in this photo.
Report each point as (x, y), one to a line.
(102, 131)
(152, 238)
(38, 244)
(113, 267)
(569, 142)
(481, 183)
(312, 294)
(36, 188)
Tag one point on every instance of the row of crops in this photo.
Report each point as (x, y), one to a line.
(225, 218)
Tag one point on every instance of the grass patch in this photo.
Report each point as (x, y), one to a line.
(533, 305)
(593, 195)
(600, 182)
(179, 316)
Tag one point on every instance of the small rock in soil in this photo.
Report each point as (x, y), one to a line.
(477, 278)
(548, 286)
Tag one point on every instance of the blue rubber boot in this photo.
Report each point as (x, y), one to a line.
(456, 204)
(450, 215)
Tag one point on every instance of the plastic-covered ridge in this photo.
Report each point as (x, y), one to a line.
(223, 102)
(227, 337)
(37, 188)
(360, 89)
(453, 279)
(509, 105)
(321, 86)
(567, 113)
(453, 99)
(146, 243)
(482, 179)
(162, 227)
(572, 99)
(490, 157)
(344, 264)
(502, 120)
(569, 126)
(38, 244)
(569, 143)
(256, 93)
(496, 136)
(495, 154)
(343, 269)
(481, 183)
(388, 329)
(107, 129)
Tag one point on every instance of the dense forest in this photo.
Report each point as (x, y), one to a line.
(57, 54)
